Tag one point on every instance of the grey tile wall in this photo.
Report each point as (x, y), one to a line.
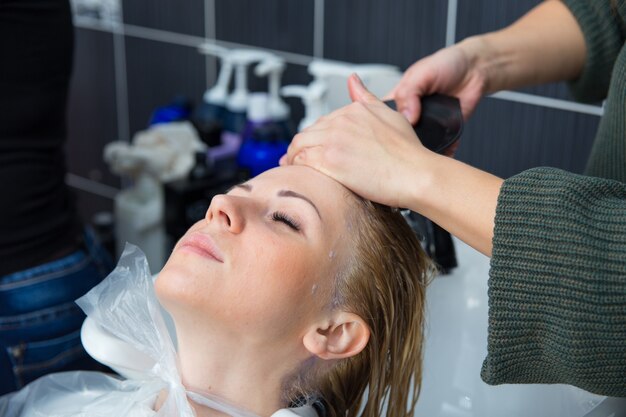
(285, 25)
(506, 138)
(185, 16)
(476, 17)
(394, 32)
(502, 137)
(92, 120)
(156, 73)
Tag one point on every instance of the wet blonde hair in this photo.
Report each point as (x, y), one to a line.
(384, 282)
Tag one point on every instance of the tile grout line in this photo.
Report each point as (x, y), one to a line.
(90, 186)
(318, 29)
(121, 87)
(553, 103)
(185, 40)
(451, 22)
(210, 32)
(299, 59)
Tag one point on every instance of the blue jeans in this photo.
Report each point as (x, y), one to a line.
(39, 321)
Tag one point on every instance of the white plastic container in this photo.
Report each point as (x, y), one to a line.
(139, 220)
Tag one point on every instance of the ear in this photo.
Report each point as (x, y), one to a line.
(345, 335)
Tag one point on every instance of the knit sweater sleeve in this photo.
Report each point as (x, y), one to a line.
(557, 285)
(604, 37)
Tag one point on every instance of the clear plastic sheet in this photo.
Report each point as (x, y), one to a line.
(126, 306)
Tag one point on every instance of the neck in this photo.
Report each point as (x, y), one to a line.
(247, 376)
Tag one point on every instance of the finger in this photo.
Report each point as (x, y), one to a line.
(283, 161)
(304, 140)
(358, 91)
(312, 157)
(408, 103)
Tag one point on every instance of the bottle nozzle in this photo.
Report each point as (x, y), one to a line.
(219, 92)
(241, 58)
(313, 98)
(274, 67)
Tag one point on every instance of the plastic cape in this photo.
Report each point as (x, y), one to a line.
(125, 305)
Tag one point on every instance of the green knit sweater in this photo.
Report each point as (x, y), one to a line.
(557, 285)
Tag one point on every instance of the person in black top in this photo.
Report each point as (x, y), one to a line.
(47, 258)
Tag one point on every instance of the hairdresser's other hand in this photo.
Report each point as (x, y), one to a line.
(452, 71)
(366, 146)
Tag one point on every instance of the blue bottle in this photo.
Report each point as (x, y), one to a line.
(179, 109)
(264, 140)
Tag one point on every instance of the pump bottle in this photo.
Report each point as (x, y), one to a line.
(237, 103)
(208, 118)
(273, 68)
(263, 138)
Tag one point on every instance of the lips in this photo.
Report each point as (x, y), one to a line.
(203, 245)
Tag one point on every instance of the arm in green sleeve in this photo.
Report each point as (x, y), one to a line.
(605, 32)
(557, 286)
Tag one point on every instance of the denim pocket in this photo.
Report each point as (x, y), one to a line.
(35, 359)
(41, 342)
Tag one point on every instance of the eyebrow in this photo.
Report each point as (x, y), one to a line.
(283, 193)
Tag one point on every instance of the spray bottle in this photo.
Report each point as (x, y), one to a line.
(273, 67)
(379, 79)
(313, 97)
(264, 140)
(208, 118)
(237, 103)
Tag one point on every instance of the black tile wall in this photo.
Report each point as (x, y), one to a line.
(92, 118)
(501, 137)
(156, 73)
(89, 204)
(185, 17)
(284, 25)
(506, 138)
(475, 17)
(394, 32)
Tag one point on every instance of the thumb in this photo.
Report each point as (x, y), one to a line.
(358, 91)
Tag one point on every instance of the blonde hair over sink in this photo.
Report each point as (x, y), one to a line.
(384, 282)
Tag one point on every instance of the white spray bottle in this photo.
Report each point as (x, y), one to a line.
(379, 78)
(313, 97)
(209, 117)
(237, 102)
(273, 67)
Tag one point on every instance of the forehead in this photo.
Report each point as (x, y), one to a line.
(327, 194)
(300, 179)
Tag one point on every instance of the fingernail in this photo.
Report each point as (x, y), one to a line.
(356, 77)
(407, 114)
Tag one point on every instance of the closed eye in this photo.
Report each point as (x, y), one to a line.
(284, 218)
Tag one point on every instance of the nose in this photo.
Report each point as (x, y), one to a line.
(227, 212)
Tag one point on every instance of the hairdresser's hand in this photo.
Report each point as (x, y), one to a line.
(452, 71)
(366, 146)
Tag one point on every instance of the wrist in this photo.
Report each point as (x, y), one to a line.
(484, 61)
(423, 181)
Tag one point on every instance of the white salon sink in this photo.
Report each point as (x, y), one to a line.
(456, 345)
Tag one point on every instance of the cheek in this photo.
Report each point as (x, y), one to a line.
(285, 282)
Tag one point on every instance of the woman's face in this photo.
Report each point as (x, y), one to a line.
(263, 261)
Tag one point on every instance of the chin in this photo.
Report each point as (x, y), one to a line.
(175, 287)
